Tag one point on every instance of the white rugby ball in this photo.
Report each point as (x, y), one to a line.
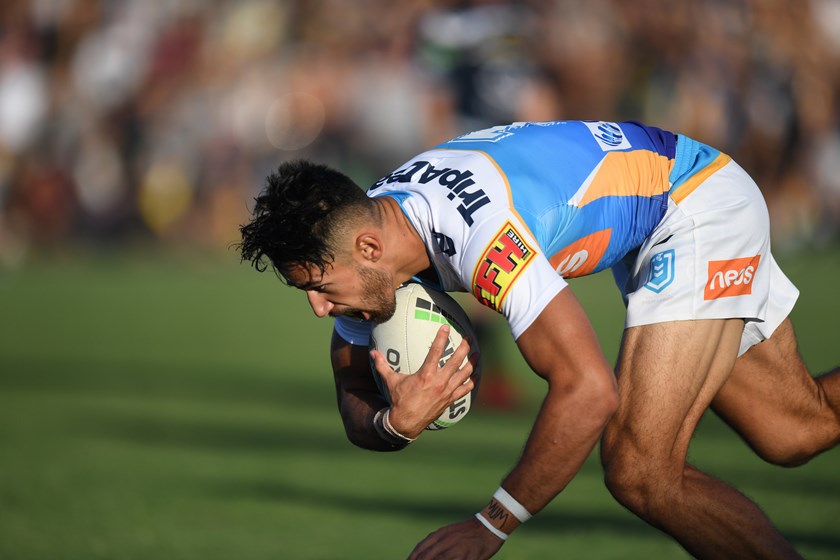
(405, 339)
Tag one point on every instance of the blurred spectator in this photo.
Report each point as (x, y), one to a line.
(128, 118)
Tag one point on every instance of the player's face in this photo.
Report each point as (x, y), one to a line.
(351, 290)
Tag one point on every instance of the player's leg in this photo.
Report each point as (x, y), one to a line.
(786, 415)
(668, 373)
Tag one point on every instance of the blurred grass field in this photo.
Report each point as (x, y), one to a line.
(180, 407)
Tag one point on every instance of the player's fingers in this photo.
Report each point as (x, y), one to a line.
(461, 352)
(463, 389)
(438, 347)
(436, 546)
(463, 373)
(458, 365)
(383, 368)
(423, 547)
(439, 549)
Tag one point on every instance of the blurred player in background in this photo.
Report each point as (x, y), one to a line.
(508, 213)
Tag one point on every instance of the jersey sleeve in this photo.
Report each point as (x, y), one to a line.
(461, 202)
(531, 294)
(353, 331)
(507, 271)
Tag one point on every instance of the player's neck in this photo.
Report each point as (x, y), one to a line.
(408, 256)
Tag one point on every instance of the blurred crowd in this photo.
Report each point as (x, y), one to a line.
(126, 120)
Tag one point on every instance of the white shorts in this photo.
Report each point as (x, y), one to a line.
(709, 258)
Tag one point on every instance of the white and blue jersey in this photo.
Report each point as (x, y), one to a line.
(507, 213)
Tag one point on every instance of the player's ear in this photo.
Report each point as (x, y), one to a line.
(369, 246)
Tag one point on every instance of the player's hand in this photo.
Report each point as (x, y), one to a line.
(417, 400)
(461, 541)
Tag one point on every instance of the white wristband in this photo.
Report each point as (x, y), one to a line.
(386, 422)
(510, 504)
(394, 440)
(502, 535)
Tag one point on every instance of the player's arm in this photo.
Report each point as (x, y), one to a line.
(358, 397)
(562, 348)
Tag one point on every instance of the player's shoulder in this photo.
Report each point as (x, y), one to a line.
(447, 167)
(454, 184)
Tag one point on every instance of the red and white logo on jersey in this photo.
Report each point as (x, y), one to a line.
(732, 277)
(504, 259)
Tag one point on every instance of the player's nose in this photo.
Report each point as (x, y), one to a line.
(321, 306)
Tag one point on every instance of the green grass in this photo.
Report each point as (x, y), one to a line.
(169, 407)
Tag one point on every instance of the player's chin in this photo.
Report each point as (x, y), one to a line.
(382, 315)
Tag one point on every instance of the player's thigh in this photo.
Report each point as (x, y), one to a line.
(772, 400)
(668, 374)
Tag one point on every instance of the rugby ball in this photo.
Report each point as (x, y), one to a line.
(405, 339)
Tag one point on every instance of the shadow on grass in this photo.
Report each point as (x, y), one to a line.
(154, 378)
(289, 437)
(423, 511)
(146, 423)
(620, 523)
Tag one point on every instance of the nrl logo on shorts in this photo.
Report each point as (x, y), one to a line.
(661, 271)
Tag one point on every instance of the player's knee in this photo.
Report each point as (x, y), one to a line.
(639, 484)
(794, 449)
(801, 439)
(624, 486)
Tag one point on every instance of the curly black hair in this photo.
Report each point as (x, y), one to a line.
(301, 209)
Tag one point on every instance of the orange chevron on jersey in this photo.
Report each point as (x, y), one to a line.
(637, 173)
(581, 257)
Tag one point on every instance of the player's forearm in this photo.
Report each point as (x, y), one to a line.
(565, 432)
(358, 413)
(567, 428)
(358, 397)
(562, 348)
